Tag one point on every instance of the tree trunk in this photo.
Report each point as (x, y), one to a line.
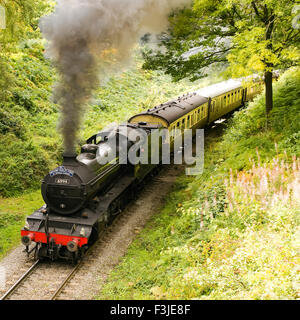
(269, 19)
(269, 91)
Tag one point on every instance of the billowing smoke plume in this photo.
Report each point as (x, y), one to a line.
(87, 38)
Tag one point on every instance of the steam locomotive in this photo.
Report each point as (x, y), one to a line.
(85, 193)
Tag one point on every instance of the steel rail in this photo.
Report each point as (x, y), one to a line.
(65, 281)
(17, 284)
(72, 272)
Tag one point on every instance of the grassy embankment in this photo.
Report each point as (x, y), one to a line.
(30, 143)
(232, 232)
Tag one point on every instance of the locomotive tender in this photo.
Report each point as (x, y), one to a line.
(83, 195)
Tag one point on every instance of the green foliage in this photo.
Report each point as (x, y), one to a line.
(9, 123)
(22, 166)
(292, 143)
(12, 214)
(21, 23)
(22, 160)
(252, 36)
(230, 233)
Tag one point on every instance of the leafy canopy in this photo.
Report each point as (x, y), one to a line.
(247, 36)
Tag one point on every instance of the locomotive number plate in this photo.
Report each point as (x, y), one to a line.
(62, 181)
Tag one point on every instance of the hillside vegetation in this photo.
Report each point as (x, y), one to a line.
(232, 232)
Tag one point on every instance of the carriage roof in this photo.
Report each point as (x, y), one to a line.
(220, 88)
(174, 109)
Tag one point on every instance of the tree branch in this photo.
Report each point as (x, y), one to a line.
(256, 11)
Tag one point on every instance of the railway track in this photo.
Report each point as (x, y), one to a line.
(38, 272)
(44, 274)
(57, 293)
(20, 281)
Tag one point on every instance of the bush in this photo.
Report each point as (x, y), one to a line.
(22, 166)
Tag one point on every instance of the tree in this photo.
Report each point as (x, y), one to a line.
(249, 36)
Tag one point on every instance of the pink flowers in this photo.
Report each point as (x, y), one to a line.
(265, 184)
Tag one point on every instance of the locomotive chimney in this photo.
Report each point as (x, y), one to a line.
(69, 159)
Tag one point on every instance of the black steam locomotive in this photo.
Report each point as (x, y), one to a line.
(84, 194)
